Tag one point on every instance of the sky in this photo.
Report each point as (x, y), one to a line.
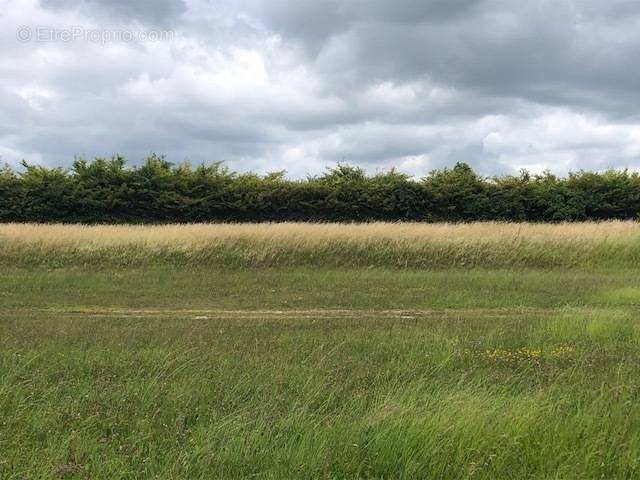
(300, 85)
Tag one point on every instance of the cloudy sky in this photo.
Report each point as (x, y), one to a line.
(302, 84)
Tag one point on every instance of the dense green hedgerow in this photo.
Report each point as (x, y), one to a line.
(107, 191)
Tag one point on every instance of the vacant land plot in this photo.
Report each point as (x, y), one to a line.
(320, 351)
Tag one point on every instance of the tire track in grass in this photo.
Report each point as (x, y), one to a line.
(204, 314)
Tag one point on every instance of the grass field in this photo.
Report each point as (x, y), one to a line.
(320, 351)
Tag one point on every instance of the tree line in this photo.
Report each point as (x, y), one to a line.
(109, 191)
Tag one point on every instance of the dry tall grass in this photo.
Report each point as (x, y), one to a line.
(399, 245)
(311, 234)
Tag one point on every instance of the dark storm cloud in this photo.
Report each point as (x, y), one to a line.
(562, 52)
(155, 12)
(314, 22)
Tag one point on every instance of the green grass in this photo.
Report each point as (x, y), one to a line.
(166, 372)
(193, 288)
(402, 253)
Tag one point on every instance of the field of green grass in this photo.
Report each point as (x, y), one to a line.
(145, 352)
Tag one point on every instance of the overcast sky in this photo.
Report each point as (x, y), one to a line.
(302, 84)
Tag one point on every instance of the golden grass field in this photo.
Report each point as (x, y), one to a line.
(316, 233)
(372, 245)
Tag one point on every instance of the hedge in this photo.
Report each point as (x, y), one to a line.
(109, 191)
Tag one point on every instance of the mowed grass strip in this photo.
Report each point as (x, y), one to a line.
(68, 289)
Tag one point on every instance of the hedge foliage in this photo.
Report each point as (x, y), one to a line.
(108, 191)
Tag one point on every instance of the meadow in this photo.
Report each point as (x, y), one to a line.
(339, 351)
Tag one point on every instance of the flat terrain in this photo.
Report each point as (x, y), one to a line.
(163, 368)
